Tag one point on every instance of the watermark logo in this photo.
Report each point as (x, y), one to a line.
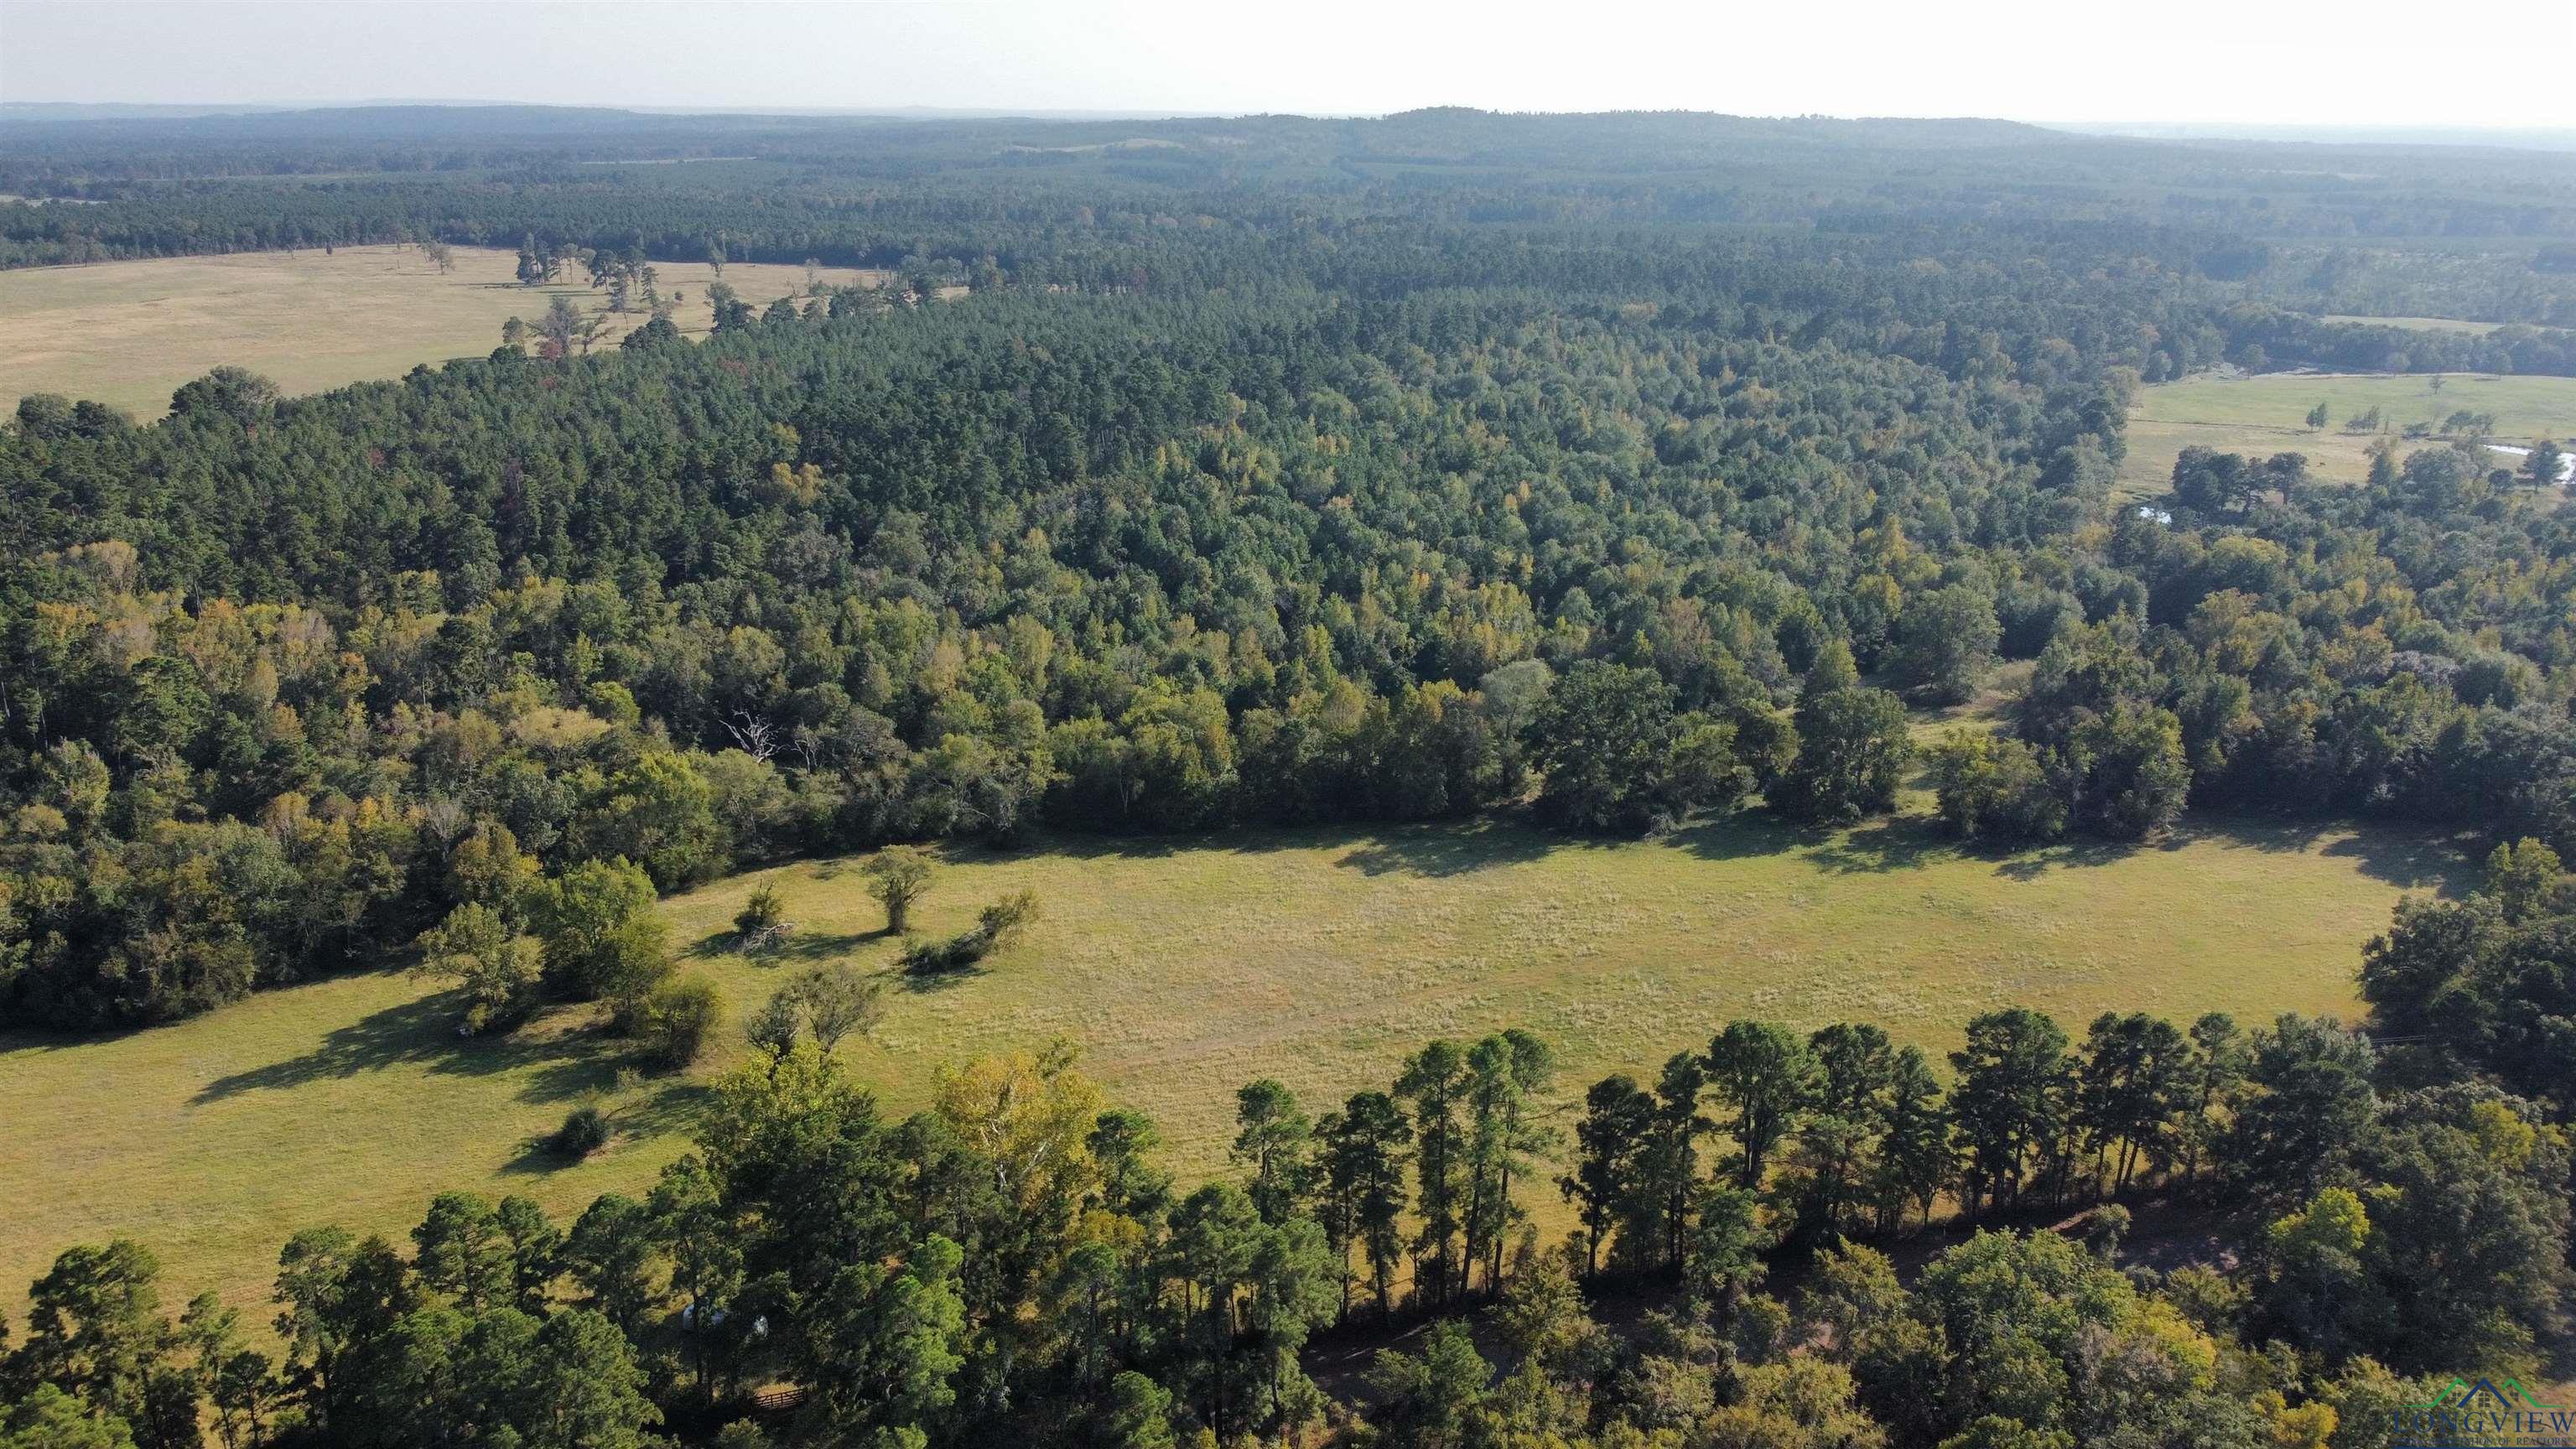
(2468, 1414)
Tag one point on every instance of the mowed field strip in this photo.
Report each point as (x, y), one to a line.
(1184, 968)
(129, 333)
(2264, 415)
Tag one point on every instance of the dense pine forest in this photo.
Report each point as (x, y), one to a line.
(1189, 475)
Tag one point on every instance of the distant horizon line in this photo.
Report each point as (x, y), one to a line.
(1141, 113)
(2435, 133)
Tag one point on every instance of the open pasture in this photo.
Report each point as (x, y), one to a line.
(1184, 968)
(129, 333)
(2267, 414)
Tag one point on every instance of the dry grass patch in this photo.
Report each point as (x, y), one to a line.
(129, 333)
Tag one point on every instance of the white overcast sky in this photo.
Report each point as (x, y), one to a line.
(2343, 62)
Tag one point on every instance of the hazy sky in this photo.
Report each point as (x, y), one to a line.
(2354, 62)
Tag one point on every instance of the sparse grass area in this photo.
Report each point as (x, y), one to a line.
(129, 333)
(2266, 415)
(2418, 324)
(1185, 968)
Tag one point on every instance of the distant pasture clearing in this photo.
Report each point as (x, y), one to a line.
(129, 333)
(2267, 414)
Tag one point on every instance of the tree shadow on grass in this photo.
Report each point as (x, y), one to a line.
(2409, 859)
(2036, 861)
(821, 945)
(421, 1031)
(1889, 843)
(1742, 835)
(794, 947)
(1442, 850)
(924, 983)
(672, 1105)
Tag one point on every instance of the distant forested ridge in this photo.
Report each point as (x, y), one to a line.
(1391, 498)
(2440, 231)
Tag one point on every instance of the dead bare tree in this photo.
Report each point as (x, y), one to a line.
(752, 735)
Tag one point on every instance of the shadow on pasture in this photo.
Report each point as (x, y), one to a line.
(1888, 843)
(2032, 862)
(927, 983)
(422, 1031)
(2409, 859)
(821, 945)
(1450, 850)
(799, 946)
(2444, 865)
(672, 1105)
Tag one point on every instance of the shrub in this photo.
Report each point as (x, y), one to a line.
(585, 1130)
(676, 1019)
(762, 922)
(1000, 923)
(996, 926)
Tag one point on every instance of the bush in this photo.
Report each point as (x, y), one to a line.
(762, 922)
(996, 926)
(676, 1019)
(585, 1130)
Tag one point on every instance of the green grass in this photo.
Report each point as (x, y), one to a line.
(2267, 414)
(2418, 324)
(129, 333)
(1185, 968)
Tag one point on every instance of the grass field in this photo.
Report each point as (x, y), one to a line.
(2418, 324)
(130, 333)
(2266, 414)
(1185, 968)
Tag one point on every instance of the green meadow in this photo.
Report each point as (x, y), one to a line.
(1183, 968)
(2267, 414)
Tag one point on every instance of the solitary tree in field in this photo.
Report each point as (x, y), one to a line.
(838, 1000)
(498, 967)
(897, 877)
(2543, 464)
(559, 327)
(2319, 416)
